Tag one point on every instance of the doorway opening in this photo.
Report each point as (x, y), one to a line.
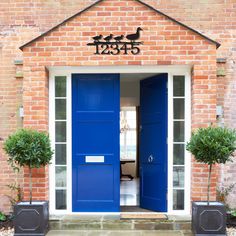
(131, 90)
(129, 165)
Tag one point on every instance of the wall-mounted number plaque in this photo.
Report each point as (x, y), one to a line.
(114, 45)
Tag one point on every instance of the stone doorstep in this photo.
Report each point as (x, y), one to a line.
(113, 222)
(118, 233)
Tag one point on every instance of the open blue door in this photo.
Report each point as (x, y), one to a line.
(95, 143)
(153, 143)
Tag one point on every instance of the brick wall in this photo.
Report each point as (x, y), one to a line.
(166, 43)
(217, 20)
(23, 20)
(20, 21)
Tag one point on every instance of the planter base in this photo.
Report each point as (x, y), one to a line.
(31, 219)
(208, 219)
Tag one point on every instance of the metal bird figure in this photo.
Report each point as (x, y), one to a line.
(133, 37)
(97, 38)
(108, 38)
(118, 38)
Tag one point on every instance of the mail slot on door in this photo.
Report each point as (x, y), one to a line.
(94, 159)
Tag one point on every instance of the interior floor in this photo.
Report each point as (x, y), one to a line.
(129, 192)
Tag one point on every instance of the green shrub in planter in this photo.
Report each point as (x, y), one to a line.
(32, 149)
(28, 148)
(212, 145)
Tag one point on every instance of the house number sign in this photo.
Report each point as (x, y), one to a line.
(114, 45)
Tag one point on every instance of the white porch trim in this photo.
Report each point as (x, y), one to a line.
(172, 70)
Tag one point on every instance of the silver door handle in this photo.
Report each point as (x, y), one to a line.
(140, 128)
(150, 159)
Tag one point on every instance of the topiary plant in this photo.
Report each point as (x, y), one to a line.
(28, 148)
(212, 145)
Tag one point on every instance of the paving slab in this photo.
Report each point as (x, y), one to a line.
(179, 217)
(73, 218)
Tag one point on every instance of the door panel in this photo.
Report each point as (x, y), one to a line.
(95, 142)
(153, 143)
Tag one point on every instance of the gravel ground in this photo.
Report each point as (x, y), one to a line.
(9, 232)
(231, 231)
(6, 232)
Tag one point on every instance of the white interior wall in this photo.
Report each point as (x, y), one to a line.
(129, 93)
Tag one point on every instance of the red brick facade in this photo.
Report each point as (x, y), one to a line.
(166, 43)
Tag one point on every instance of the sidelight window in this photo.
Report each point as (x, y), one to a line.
(178, 142)
(60, 143)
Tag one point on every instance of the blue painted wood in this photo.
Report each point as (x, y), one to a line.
(153, 143)
(95, 132)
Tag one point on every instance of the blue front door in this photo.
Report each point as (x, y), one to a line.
(153, 143)
(95, 143)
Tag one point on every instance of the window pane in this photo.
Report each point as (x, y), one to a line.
(178, 131)
(61, 199)
(178, 176)
(178, 86)
(128, 137)
(179, 108)
(131, 138)
(122, 152)
(60, 86)
(178, 199)
(131, 124)
(179, 154)
(122, 138)
(131, 151)
(131, 115)
(60, 154)
(60, 109)
(131, 119)
(60, 131)
(60, 176)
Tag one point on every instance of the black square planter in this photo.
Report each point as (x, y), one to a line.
(208, 219)
(31, 219)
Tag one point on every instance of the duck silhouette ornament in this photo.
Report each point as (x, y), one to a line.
(117, 44)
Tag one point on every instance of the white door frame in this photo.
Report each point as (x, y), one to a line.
(172, 70)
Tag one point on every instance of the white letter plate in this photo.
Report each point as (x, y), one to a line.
(97, 159)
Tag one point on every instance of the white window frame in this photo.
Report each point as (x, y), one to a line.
(172, 70)
(52, 181)
(187, 165)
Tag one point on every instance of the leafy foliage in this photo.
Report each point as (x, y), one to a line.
(233, 213)
(2, 216)
(212, 145)
(17, 191)
(223, 192)
(29, 148)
